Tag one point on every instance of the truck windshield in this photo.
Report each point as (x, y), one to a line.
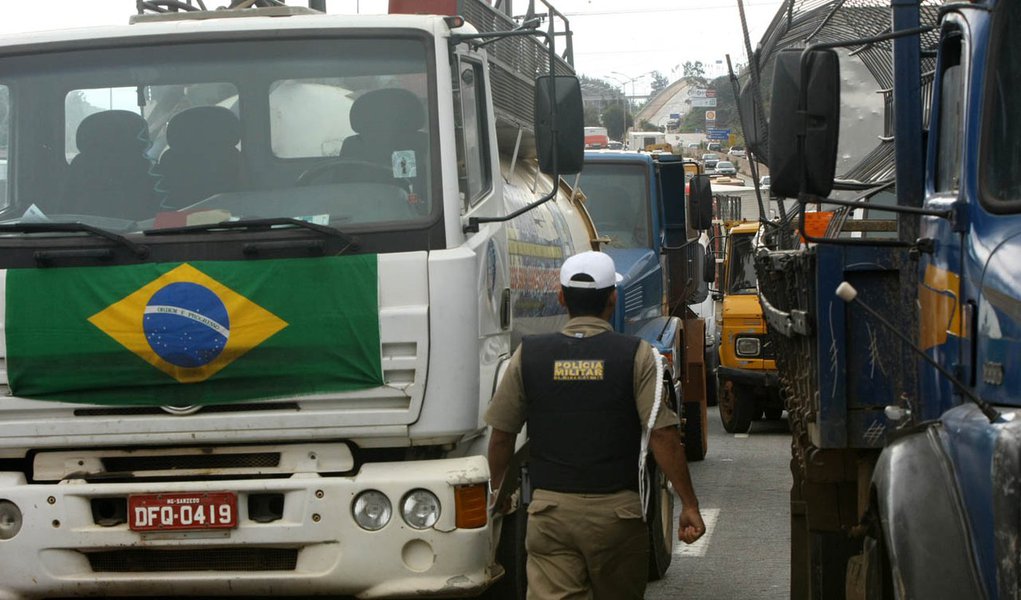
(1002, 168)
(333, 131)
(618, 201)
(741, 278)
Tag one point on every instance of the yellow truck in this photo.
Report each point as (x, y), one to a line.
(748, 386)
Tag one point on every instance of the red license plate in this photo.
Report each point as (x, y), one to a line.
(183, 511)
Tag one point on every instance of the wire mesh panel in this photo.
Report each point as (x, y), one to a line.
(801, 23)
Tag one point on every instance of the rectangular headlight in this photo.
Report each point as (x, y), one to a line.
(747, 346)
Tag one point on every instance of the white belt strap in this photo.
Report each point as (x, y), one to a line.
(643, 491)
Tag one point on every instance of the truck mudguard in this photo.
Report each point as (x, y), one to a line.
(920, 508)
(662, 332)
(1007, 509)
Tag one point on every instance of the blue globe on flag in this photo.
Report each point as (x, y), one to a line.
(186, 324)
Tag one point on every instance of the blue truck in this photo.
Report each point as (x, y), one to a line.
(650, 223)
(899, 326)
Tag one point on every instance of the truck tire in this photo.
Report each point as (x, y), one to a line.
(512, 556)
(737, 407)
(696, 431)
(711, 392)
(660, 518)
(711, 382)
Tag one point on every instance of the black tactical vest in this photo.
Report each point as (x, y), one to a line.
(583, 425)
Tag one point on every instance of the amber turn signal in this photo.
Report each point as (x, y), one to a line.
(470, 506)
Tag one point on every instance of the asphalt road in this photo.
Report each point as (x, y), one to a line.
(743, 487)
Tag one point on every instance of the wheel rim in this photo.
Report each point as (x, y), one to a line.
(666, 514)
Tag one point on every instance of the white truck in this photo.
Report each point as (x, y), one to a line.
(258, 281)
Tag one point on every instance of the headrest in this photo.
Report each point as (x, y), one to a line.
(120, 130)
(387, 110)
(203, 125)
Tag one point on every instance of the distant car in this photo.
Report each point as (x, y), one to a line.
(693, 145)
(725, 167)
(715, 147)
(709, 161)
(614, 145)
(737, 151)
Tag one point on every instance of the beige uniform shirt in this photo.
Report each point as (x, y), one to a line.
(509, 408)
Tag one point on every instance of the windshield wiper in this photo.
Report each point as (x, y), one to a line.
(138, 250)
(257, 225)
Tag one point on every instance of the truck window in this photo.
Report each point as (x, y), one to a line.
(5, 103)
(309, 117)
(1001, 167)
(343, 126)
(472, 147)
(741, 278)
(951, 123)
(617, 199)
(157, 104)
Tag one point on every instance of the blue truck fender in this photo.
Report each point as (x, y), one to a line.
(924, 524)
(1007, 508)
(664, 334)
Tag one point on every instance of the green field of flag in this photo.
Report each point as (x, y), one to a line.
(203, 332)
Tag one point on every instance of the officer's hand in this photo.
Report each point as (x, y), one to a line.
(691, 526)
(503, 507)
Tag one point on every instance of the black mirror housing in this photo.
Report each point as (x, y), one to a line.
(700, 201)
(709, 268)
(753, 122)
(563, 154)
(803, 146)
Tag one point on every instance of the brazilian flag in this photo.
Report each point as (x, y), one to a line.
(202, 332)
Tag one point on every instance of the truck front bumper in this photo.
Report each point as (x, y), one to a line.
(747, 377)
(313, 548)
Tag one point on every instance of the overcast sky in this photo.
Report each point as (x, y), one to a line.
(620, 40)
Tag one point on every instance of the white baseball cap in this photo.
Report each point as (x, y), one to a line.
(597, 265)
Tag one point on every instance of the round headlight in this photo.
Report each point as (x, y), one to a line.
(10, 520)
(420, 509)
(746, 346)
(372, 510)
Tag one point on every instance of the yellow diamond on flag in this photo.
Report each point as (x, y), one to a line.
(187, 324)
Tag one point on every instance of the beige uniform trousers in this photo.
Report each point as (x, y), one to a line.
(586, 546)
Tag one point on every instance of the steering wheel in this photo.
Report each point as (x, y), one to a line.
(347, 169)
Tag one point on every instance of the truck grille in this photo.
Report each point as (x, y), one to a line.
(147, 560)
(132, 411)
(142, 464)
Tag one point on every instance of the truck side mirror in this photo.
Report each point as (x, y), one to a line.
(567, 149)
(709, 268)
(700, 201)
(803, 141)
(753, 123)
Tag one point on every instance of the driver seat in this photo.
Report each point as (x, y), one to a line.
(388, 125)
(201, 158)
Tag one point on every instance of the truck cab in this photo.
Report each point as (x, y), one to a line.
(639, 203)
(748, 384)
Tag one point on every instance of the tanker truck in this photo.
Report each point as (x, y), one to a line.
(260, 271)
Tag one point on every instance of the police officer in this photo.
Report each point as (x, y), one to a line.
(587, 393)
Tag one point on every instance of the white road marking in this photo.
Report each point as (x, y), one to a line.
(700, 547)
(740, 436)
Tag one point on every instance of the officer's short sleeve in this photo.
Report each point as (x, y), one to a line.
(507, 410)
(645, 389)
